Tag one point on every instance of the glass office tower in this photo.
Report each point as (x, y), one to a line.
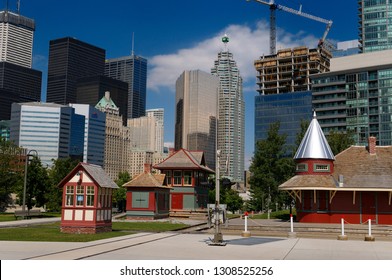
(287, 108)
(375, 25)
(196, 111)
(133, 70)
(69, 60)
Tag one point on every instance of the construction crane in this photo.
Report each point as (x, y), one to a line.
(273, 7)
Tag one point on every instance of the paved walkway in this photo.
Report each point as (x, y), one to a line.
(191, 246)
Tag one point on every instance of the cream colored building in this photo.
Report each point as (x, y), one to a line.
(117, 139)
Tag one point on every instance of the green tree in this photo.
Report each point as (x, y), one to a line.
(120, 195)
(60, 169)
(233, 200)
(339, 141)
(11, 172)
(269, 169)
(37, 184)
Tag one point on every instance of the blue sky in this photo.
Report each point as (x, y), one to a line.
(183, 35)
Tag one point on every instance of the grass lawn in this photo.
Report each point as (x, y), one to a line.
(51, 232)
(5, 217)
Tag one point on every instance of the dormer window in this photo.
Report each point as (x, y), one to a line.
(321, 167)
(302, 167)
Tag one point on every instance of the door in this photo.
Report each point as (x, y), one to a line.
(368, 206)
(177, 201)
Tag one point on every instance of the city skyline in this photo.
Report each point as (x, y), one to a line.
(176, 40)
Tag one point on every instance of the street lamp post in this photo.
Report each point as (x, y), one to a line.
(25, 180)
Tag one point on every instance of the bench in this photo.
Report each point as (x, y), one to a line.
(27, 214)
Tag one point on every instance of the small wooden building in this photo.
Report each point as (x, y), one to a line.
(87, 200)
(356, 185)
(147, 196)
(187, 173)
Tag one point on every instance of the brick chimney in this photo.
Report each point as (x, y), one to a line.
(147, 168)
(372, 145)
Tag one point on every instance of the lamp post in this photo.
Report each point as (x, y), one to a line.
(25, 180)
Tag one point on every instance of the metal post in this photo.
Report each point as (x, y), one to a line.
(291, 224)
(342, 236)
(25, 181)
(246, 223)
(342, 222)
(370, 227)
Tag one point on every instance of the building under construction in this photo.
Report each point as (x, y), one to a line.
(289, 70)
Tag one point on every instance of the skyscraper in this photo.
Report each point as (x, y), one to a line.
(375, 25)
(94, 133)
(196, 113)
(90, 90)
(16, 40)
(43, 127)
(231, 128)
(159, 122)
(18, 82)
(133, 70)
(70, 60)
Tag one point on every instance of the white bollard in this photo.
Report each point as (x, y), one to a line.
(342, 236)
(369, 237)
(292, 234)
(246, 233)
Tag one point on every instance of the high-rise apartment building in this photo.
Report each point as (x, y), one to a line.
(375, 25)
(133, 70)
(16, 38)
(69, 60)
(196, 113)
(117, 139)
(43, 127)
(158, 114)
(356, 95)
(231, 116)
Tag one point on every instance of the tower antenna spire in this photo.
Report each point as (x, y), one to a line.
(18, 7)
(133, 43)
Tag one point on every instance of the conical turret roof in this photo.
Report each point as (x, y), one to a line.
(314, 145)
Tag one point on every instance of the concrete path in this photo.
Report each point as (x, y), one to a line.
(178, 246)
(193, 246)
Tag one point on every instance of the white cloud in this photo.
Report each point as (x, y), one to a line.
(247, 44)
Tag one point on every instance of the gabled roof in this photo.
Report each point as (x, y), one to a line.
(147, 180)
(314, 145)
(184, 159)
(95, 172)
(360, 169)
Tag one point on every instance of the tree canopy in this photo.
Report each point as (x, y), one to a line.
(11, 171)
(269, 169)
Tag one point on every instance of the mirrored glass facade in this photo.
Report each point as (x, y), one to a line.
(287, 108)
